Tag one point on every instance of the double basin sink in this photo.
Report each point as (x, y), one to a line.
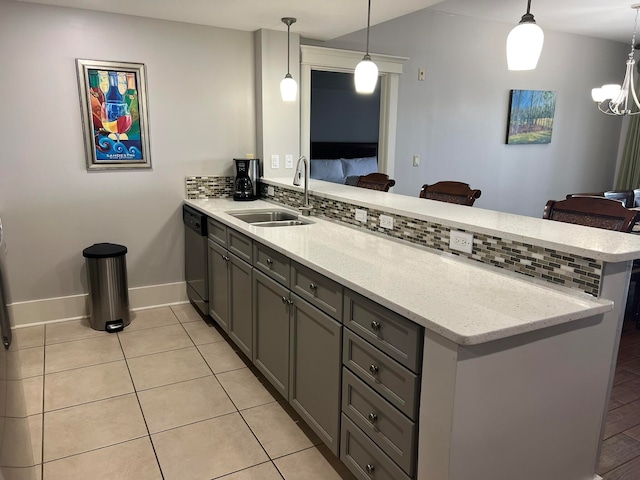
(269, 218)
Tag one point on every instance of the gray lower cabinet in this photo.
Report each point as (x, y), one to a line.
(315, 353)
(240, 311)
(230, 296)
(271, 331)
(218, 285)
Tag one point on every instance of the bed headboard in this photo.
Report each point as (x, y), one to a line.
(335, 150)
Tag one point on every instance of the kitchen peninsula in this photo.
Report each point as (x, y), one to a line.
(519, 338)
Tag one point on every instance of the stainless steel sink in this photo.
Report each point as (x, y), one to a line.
(269, 218)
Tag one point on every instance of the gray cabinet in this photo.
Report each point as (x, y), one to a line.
(315, 370)
(240, 311)
(230, 295)
(271, 331)
(218, 285)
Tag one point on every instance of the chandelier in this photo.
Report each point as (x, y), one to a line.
(614, 99)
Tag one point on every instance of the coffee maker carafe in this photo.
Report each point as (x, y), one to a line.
(246, 182)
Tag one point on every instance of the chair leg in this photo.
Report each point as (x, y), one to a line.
(636, 302)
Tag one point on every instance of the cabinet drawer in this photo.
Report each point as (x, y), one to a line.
(271, 263)
(317, 289)
(365, 460)
(396, 336)
(387, 427)
(217, 232)
(240, 245)
(394, 382)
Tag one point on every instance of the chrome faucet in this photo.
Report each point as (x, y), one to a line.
(306, 207)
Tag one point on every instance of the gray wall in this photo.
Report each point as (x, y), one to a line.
(457, 118)
(202, 114)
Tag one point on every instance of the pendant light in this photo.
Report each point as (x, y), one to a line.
(366, 74)
(621, 100)
(524, 43)
(288, 86)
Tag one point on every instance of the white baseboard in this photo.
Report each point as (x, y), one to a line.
(73, 307)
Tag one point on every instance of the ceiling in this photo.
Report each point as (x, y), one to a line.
(328, 19)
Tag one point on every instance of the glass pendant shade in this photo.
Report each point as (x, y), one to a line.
(288, 89)
(366, 76)
(524, 45)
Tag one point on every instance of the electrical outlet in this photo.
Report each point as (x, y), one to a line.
(421, 74)
(461, 241)
(416, 160)
(271, 191)
(275, 161)
(386, 221)
(361, 215)
(288, 161)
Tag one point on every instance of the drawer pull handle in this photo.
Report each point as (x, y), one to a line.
(289, 302)
(373, 369)
(373, 417)
(313, 286)
(371, 468)
(225, 258)
(284, 299)
(375, 325)
(269, 262)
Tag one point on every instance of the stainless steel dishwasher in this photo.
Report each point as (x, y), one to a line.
(195, 258)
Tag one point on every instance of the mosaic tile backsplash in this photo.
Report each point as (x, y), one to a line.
(203, 187)
(556, 267)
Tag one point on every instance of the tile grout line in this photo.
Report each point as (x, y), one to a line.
(135, 391)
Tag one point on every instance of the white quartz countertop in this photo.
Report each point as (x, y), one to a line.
(588, 242)
(465, 303)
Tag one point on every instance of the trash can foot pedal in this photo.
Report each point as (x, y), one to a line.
(114, 326)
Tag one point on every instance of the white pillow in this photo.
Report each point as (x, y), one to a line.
(327, 170)
(359, 166)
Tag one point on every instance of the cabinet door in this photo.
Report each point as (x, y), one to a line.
(218, 285)
(271, 331)
(240, 324)
(316, 341)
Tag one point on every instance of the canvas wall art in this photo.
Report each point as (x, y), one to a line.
(531, 114)
(113, 101)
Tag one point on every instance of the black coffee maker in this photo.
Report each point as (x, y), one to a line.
(246, 182)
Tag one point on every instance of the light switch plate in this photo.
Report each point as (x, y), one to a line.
(361, 215)
(386, 221)
(288, 161)
(275, 161)
(416, 160)
(271, 191)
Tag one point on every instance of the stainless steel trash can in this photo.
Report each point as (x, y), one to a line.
(108, 291)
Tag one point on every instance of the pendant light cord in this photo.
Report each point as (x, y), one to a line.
(368, 24)
(288, 45)
(529, 7)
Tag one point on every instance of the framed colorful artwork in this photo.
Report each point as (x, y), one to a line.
(531, 114)
(113, 102)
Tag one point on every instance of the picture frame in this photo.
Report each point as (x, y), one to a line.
(113, 104)
(531, 115)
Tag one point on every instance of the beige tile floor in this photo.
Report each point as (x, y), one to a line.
(168, 398)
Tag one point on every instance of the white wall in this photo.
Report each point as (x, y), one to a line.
(278, 127)
(457, 118)
(202, 114)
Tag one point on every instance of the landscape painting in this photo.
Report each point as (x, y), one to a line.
(531, 115)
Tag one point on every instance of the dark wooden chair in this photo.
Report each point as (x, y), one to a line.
(376, 181)
(595, 212)
(599, 212)
(450, 192)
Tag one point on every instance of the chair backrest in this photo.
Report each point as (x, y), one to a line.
(629, 198)
(595, 212)
(376, 181)
(451, 192)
